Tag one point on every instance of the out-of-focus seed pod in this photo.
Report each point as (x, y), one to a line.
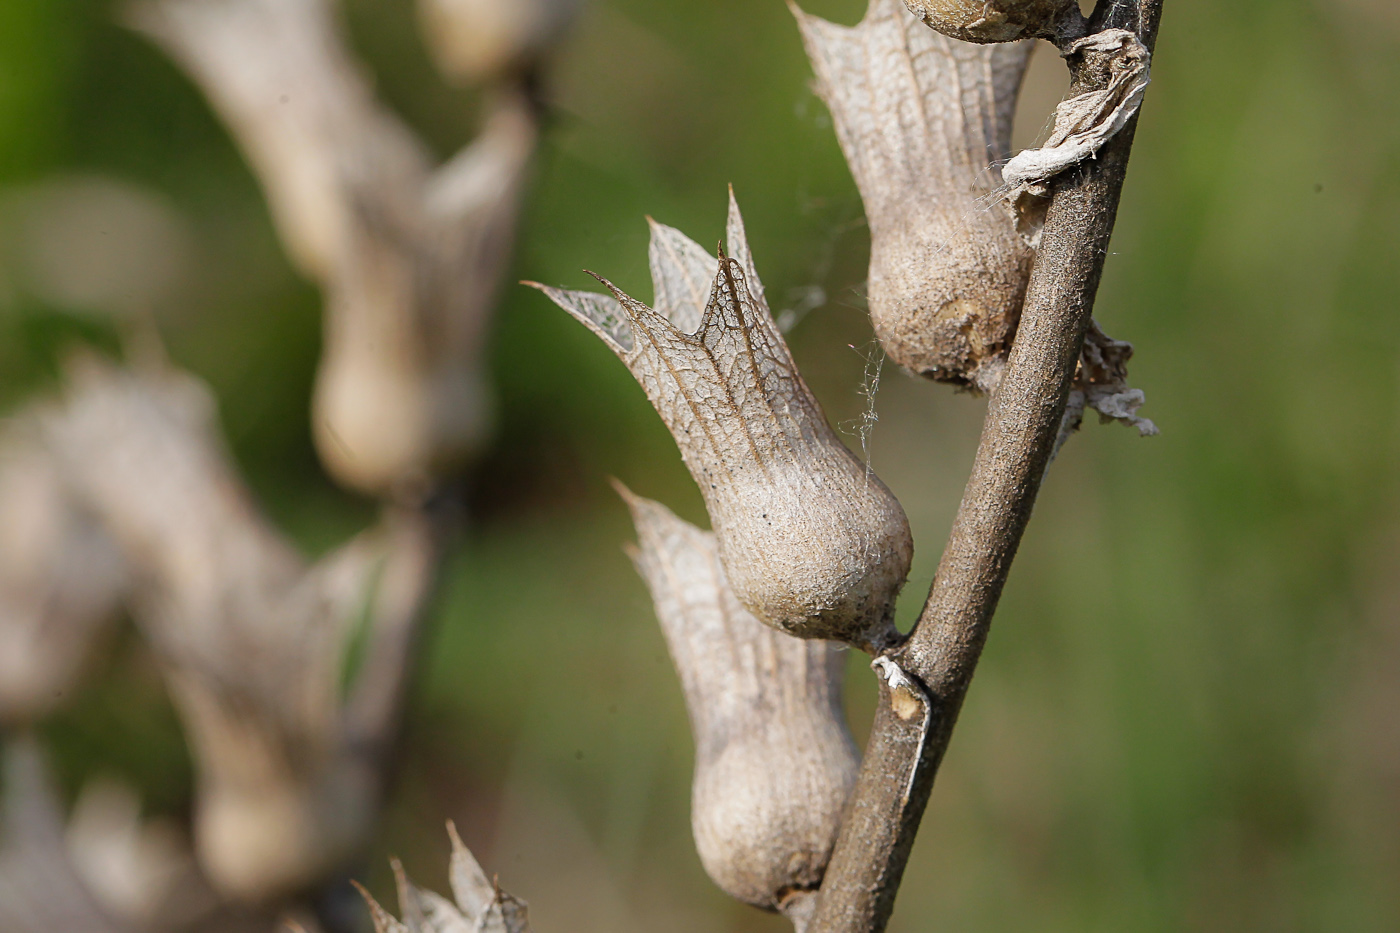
(774, 763)
(812, 542)
(479, 40)
(62, 579)
(410, 256)
(924, 121)
(40, 892)
(478, 904)
(1000, 20)
(290, 738)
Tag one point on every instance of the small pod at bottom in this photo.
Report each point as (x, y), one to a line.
(774, 762)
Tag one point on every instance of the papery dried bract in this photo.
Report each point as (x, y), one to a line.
(999, 20)
(475, 40)
(812, 541)
(478, 905)
(924, 120)
(774, 764)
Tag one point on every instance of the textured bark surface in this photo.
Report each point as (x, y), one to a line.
(774, 762)
(1022, 423)
(812, 542)
(925, 122)
(290, 733)
(410, 257)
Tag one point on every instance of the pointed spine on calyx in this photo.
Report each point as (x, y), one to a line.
(774, 763)
(812, 542)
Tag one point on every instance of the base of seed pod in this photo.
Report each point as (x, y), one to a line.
(986, 21)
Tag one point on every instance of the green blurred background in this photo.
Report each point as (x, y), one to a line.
(1188, 717)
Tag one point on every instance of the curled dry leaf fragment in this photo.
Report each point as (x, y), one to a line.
(1101, 384)
(812, 542)
(774, 764)
(475, 40)
(924, 121)
(62, 579)
(1000, 20)
(1085, 122)
(478, 904)
(409, 256)
(289, 744)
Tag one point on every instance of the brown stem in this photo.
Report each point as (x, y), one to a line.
(1018, 435)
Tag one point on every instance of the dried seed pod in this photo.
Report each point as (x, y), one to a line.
(812, 541)
(410, 257)
(39, 890)
(1000, 20)
(480, 905)
(476, 40)
(62, 579)
(290, 741)
(774, 763)
(923, 121)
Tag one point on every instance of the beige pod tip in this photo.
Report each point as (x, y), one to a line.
(812, 542)
(477, 40)
(924, 122)
(774, 763)
(999, 20)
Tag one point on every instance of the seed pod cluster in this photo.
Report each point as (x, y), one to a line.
(253, 640)
(812, 542)
(924, 121)
(774, 764)
(479, 40)
(999, 20)
(409, 255)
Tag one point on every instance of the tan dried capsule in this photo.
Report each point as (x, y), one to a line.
(475, 40)
(812, 541)
(1000, 20)
(924, 121)
(774, 763)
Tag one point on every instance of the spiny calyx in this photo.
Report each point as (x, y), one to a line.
(812, 542)
(774, 764)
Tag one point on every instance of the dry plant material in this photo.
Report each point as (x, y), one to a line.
(1084, 122)
(812, 542)
(924, 121)
(409, 256)
(480, 905)
(62, 579)
(999, 20)
(774, 763)
(477, 40)
(39, 890)
(290, 730)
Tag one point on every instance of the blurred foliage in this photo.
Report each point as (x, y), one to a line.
(1187, 716)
